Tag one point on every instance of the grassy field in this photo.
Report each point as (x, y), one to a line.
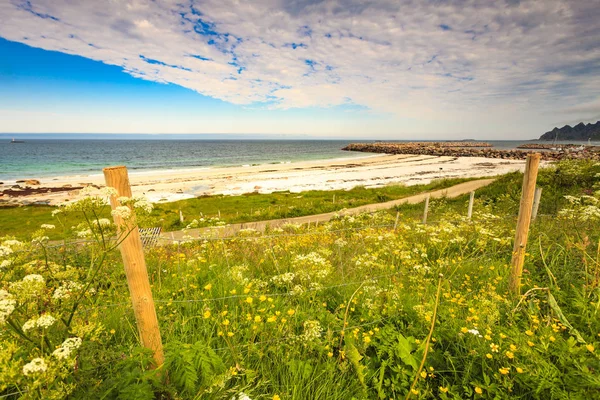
(347, 310)
(21, 222)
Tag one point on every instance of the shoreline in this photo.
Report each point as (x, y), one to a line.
(373, 170)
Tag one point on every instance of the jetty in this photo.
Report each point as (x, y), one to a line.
(444, 149)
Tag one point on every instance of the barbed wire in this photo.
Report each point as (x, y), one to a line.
(239, 296)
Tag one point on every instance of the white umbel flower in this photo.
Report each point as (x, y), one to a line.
(35, 366)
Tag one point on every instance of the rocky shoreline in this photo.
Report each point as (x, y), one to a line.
(443, 149)
(557, 147)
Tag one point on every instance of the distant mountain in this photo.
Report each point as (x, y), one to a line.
(580, 131)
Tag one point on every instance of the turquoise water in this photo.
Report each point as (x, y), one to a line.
(44, 158)
(55, 157)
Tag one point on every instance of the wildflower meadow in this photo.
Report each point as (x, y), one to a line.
(362, 307)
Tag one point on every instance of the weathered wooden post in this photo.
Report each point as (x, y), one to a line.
(523, 221)
(426, 209)
(536, 203)
(135, 265)
(397, 218)
(180, 216)
(471, 200)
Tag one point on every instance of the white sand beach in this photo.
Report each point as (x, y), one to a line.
(373, 171)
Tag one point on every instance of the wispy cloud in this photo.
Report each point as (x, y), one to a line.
(433, 59)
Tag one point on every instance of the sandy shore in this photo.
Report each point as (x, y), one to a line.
(374, 171)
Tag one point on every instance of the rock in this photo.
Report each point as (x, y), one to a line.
(68, 185)
(33, 182)
(257, 187)
(151, 190)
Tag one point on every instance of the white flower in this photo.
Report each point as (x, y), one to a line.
(5, 251)
(47, 226)
(312, 330)
(474, 332)
(241, 396)
(7, 305)
(143, 204)
(45, 321)
(66, 348)
(29, 325)
(5, 264)
(65, 290)
(56, 212)
(123, 212)
(102, 222)
(35, 278)
(34, 366)
(12, 243)
(109, 191)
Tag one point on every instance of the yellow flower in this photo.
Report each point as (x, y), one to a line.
(206, 314)
(208, 287)
(367, 339)
(225, 322)
(590, 347)
(249, 300)
(233, 291)
(478, 390)
(257, 319)
(414, 391)
(488, 355)
(272, 319)
(487, 337)
(330, 354)
(291, 312)
(112, 331)
(443, 389)
(552, 338)
(464, 330)
(263, 298)
(513, 347)
(519, 370)
(504, 370)
(530, 343)
(529, 333)
(246, 290)
(276, 397)
(230, 334)
(494, 347)
(503, 336)
(423, 374)
(510, 354)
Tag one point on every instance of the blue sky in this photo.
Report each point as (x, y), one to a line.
(386, 69)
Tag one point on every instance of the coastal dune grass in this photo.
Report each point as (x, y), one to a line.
(339, 311)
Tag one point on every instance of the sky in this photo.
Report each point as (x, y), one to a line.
(426, 69)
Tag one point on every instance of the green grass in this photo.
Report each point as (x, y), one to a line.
(20, 222)
(237, 315)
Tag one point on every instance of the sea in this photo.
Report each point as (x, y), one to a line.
(42, 158)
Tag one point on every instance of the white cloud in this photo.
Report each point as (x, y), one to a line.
(456, 62)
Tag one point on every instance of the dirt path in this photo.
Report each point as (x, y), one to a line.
(453, 191)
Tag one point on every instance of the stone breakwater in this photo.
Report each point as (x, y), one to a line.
(557, 147)
(438, 149)
(469, 143)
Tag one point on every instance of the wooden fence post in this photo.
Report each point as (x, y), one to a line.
(536, 203)
(397, 217)
(525, 209)
(135, 266)
(426, 209)
(471, 200)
